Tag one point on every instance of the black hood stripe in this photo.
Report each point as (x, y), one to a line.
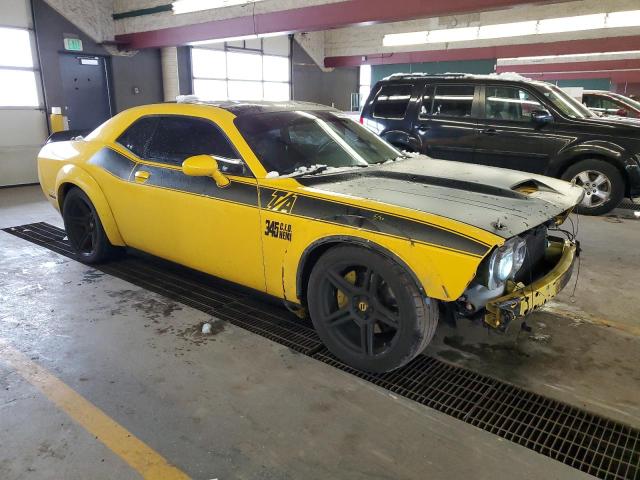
(381, 222)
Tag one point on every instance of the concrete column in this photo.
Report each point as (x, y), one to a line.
(170, 82)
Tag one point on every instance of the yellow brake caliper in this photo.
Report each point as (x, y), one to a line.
(341, 297)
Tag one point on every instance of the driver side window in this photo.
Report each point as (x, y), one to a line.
(171, 139)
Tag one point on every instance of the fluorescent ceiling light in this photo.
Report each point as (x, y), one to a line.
(186, 6)
(411, 38)
(515, 29)
(452, 35)
(547, 26)
(572, 24)
(630, 18)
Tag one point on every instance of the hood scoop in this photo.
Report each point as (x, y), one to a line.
(530, 186)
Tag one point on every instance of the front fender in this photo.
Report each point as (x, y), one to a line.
(75, 175)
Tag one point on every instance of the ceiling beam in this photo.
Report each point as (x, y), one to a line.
(312, 18)
(567, 47)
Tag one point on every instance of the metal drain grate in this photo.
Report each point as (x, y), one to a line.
(590, 443)
(585, 441)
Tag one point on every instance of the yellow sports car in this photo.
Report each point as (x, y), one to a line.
(299, 201)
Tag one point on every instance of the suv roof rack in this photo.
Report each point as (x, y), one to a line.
(508, 76)
(430, 75)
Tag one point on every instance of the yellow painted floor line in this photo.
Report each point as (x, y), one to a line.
(142, 458)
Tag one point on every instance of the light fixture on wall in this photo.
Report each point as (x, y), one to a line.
(187, 6)
(630, 18)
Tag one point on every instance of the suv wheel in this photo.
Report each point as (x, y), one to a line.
(602, 182)
(368, 310)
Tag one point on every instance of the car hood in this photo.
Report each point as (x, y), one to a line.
(503, 202)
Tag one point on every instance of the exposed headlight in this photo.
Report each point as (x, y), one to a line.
(506, 261)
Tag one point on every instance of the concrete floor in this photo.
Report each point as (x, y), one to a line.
(240, 406)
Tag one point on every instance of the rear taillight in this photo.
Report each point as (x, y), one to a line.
(361, 120)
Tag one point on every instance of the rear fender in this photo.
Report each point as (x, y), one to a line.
(74, 175)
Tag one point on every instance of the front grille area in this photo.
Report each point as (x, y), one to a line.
(585, 441)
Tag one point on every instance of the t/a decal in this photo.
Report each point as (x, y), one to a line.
(282, 201)
(279, 230)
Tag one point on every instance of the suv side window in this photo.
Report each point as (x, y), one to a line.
(509, 103)
(392, 101)
(137, 137)
(453, 100)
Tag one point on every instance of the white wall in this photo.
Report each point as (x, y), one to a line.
(22, 130)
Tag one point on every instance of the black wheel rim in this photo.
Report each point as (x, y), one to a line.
(359, 310)
(80, 223)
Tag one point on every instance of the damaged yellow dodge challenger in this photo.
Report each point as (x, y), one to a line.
(298, 201)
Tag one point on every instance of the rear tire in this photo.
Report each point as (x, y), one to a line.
(603, 184)
(368, 310)
(84, 229)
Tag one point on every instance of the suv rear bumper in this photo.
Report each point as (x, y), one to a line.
(524, 299)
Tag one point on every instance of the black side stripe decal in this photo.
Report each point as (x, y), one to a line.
(125, 169)
(304, 206)
(113, 162)
(372, 220)
(237, 192)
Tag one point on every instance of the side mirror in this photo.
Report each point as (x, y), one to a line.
(541, 116)
(205, 166)
(621, 112)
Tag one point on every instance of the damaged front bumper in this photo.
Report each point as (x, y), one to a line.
(524, 299)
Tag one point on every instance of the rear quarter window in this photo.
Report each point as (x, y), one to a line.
(392, 101)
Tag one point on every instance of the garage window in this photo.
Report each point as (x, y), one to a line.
(243, 70)
(17, 71)
(392, 101)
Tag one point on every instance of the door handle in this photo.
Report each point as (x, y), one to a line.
(490, 131)
(142, 176)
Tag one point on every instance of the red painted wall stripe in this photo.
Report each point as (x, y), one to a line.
(567, 47)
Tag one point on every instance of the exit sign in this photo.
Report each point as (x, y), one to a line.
(73, 44)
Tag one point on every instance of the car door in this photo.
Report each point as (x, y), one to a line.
(508, 137)
(187, 219)
(447, 122)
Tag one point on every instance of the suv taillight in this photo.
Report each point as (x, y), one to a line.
(361, 120)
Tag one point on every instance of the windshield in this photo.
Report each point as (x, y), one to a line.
(303, 142)
(568, 105)
(627, 100)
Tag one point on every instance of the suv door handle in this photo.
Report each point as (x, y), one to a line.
(489, 131)
(142, 176)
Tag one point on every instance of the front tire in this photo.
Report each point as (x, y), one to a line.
(84, 229)
(368, 310)
(602, 182)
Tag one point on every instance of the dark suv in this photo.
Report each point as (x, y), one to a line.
(512, 122)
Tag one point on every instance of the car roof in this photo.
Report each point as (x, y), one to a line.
(246, 107)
